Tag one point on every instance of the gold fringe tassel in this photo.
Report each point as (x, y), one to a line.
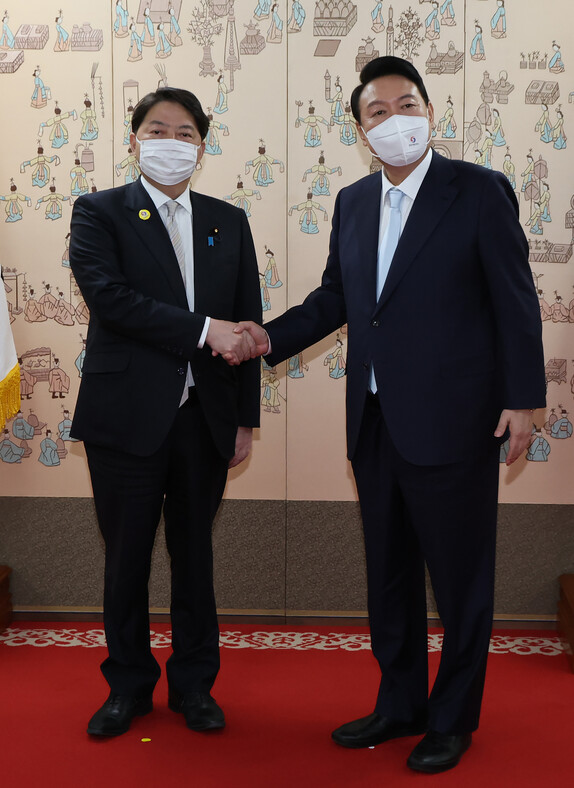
(9, 395)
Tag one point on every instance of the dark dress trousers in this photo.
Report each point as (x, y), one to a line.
(147, 454)
(454, 338)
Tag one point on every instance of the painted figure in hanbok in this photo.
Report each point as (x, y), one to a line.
(262, 172)
(64, 311)
(336, 361)
(121, 21)
(82, 313)
(33, 312)
(49, 451)
(41, 171)
(539, 449)
(558, 131)
(270, 399)
(545, 310)
(163, 47)
(447, 12)
(562, 427)
(13, 208)
(136, 44)
(221, 101)
(262, 9)
(297, 17)
(62, 36)
(9, 451)
(348, 127)
(295, 366)
(41, 93)
(7, 39)
(275, 32)
(534, 222)
(79, 181)
(509, 170)
(65, 426)
(131, 166)
(59, 132)
(308, 218)
(128, 124)
(447, 124)
(486, 149)
(337, 108)
(312, 132)
(21, 428)
(545, 203)
(271, 274)
(543, 125)
(498, 21)
(58, 381)
(212, 145)
(528, 173)
(66, 252)
(240, 197)
(497, 130)
(48, 302)
(53, 202)
(377, 18)
(320, 184)
(174, 34)
(265, 300)
(432, 24)
(556, 64)
(89, 123)
(27, 381)
(477, 45)
(148, 33)
(559, 311)
(79, 362)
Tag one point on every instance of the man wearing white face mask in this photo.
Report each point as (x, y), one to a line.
(165, 272)
(428, 265)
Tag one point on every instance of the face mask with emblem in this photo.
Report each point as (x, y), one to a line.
(401, 139)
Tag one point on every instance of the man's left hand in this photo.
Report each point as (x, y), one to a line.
(519, 423)
(243, 443)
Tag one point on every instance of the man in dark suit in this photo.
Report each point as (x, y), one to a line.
(163, 271)
(428, 265)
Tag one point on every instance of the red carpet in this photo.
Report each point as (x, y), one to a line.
(282, 694)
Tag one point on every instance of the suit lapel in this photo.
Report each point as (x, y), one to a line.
(152, 232)
(201, 230)
(435, 196)
(362, 234)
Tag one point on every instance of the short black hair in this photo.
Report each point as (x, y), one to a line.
(187, 100)
(385, 67)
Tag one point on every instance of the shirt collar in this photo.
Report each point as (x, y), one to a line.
(159, 198)
(411, 185)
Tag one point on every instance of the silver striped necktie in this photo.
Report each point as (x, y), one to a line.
(174, 235)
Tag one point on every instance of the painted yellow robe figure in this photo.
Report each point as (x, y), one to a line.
(40, 171)
(270, 399)
(14, 210)
(308, 219)
(131, 166)
(53, 202)
(59, 133)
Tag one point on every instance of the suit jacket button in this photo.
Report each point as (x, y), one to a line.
(180, 371)
(374, 323)
(365, 365)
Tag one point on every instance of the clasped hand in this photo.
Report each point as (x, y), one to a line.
(236, 342)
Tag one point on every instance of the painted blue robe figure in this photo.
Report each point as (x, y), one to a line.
(498, 21)
(262, 163)
(271, 274)
(265, 299)
(497, 130)
(528, 173)
(240, 195)
(90, 129)
(539, 449)
(136, 44)
(295, 22)
(49, 452)
(131, 167)
(262, 10)
(377, 18)
(212, 145)
(13, 209)
(9, 451)
(62, 37)
(163, 47)
(308, 220)
(174, 34)
(545, 203)
(556, 64)
(509, 170)
(558, 132)
(121, 20)
(447, 12)
(447, 123)
(320, 185)
(562, 427)
(148, 32)
(432, 23)
(22, 429)
(504, 449)
(544, 126)
(535, 221)
(477, 45)
(64, 428)
(294, 365)
(41, 93)
(79, 362)
(336, 362)
(337, 107)
(7, 38)
(348, 130)
(79, 182)
(221, 101)
(275, 32)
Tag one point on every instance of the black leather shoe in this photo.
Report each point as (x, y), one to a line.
(200, 710)
(438, 752)
(374, 729)
(117, 713)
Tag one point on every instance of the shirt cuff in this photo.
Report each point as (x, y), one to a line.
(268, 351)
(201, 342)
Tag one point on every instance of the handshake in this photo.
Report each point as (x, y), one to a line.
(236, 342)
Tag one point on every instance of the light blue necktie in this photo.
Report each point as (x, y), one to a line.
(386, 252)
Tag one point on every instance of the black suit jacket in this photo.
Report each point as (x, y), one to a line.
(141, 333)
(456, 334)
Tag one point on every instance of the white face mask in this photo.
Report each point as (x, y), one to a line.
(168, 161)
(401, 139)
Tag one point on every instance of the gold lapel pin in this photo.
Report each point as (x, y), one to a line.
(144, 214)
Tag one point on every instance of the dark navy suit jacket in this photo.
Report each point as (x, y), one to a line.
(456, 334)
(141, 333)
